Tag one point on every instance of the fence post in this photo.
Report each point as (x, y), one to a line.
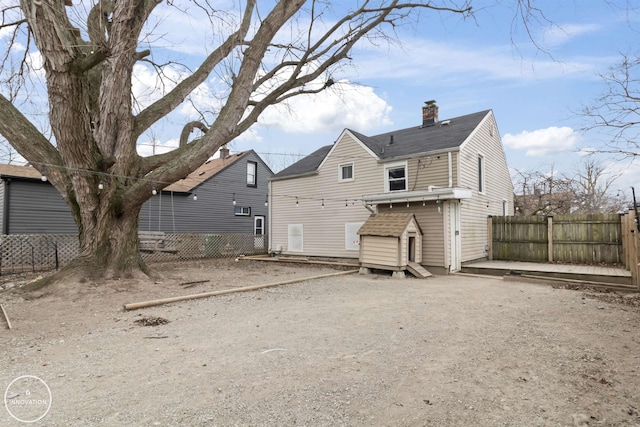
(490, 238)
(550, 236)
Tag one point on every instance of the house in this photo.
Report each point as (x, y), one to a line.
(29, 204)
(450, 174)
(225, 195)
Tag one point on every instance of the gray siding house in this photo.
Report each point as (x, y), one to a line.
(225, 195)
(29, 205)
(201, 203)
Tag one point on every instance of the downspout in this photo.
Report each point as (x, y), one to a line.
(450, 169)
(269, 210)
(369, 208)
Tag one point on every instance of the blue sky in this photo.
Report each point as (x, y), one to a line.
(468, 66)
(534, 87)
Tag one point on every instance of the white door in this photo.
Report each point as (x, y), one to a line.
(258, 230)
(456, 247)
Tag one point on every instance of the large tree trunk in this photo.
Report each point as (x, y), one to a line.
(110, 246)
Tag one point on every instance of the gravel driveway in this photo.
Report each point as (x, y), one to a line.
(350, 350)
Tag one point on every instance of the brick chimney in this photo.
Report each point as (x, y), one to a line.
(224, 152)
(429, 113)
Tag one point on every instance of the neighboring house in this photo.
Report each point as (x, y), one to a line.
(29, 205)
(450, 174)
(201, 203)
(225, 195)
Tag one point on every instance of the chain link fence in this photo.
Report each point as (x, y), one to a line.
(20, 253)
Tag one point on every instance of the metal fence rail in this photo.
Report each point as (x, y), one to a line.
(20, 253)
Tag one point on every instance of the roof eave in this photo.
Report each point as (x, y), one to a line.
(445, 193)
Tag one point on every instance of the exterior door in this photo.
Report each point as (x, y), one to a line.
(412, 249)
(456, 246)
(258, 231)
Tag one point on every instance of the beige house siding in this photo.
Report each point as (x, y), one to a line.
(428, 171)
(324, 228)
(379, 249)
(485, 141)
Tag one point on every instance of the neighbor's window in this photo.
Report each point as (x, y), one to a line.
(396, 177)
(252, 171)
(242, 211)
(345, 172)
(480, 173)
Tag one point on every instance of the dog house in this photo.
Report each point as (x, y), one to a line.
(392, 241)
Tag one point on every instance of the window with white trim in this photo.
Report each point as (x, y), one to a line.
(395, 177)
(252, 173)
(345, 172)
(481, 174)
(242, 211)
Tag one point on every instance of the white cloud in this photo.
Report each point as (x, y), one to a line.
(558, 35)
(149, 148)
(427, 60)
(347, 105)
(543, 142)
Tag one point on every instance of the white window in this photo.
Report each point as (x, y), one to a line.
(345, 172)
(395, 177)
(481, 173)
(295, 241)
(242, 211)
(252, 171)
(351, 236)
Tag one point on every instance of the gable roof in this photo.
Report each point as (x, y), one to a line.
(387, 224)
(444, 135)
(16, 171)
(209, 169)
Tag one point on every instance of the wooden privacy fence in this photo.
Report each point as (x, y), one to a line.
(583, 239)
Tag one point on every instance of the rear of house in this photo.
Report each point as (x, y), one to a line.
(450, 174)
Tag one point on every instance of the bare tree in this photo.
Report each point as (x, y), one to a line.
(617, 111)
(592, 189)
(542, 192)
(267, 55)
(586, 190)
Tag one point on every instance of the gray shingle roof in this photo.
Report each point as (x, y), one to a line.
(305, 165)
(444, 135)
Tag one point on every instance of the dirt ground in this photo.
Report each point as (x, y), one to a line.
(348, 350)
